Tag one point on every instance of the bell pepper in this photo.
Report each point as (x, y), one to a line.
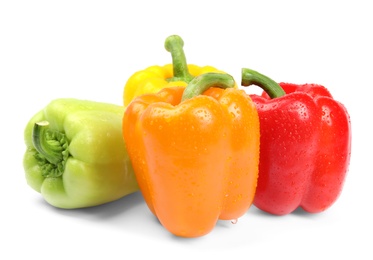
(195, 152)
(154, 78)
(305, 145)
(76, 156)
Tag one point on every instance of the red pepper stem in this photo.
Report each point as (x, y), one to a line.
(205, 81)
(174, 44)
(252, 77)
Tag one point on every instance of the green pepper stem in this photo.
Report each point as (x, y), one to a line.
(52, 148)
(252, 77)
(205, 81)
(174, 44)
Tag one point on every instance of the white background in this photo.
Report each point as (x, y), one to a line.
(88, 49)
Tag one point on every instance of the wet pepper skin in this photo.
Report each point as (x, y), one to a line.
(196, 161)
(305, 149)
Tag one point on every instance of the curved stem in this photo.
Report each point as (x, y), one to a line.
(174, 44)
(252, 77)
(205, 81)
(52, 147)
(51, 151)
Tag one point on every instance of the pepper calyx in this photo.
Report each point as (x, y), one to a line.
(52, 149)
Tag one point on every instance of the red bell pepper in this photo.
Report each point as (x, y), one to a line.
(305, 146)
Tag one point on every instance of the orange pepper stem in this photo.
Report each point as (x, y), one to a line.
(205, 81)
(174, 44)
(252, 77)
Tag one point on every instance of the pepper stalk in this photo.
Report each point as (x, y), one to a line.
(174, 44)
(252, 77)
(205, 81)
(52, 147)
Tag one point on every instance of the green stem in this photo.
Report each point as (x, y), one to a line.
(174, 44)
(205, 81)
(252, 77)
(52, 148)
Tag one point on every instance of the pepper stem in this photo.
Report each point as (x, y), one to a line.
(52, 148)
(252, 77)
(174, 44)
(205, 81)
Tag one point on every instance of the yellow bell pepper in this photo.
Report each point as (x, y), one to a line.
(155, 78)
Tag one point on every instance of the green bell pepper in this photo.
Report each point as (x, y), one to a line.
(76, 156)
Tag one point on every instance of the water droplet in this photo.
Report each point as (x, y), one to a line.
(234, 221)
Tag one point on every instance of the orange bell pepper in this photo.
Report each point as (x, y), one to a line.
(195, 152)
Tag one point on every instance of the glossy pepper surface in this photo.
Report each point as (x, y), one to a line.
(76, 156)
(195, 155)
(154, 78)
(305, 146)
